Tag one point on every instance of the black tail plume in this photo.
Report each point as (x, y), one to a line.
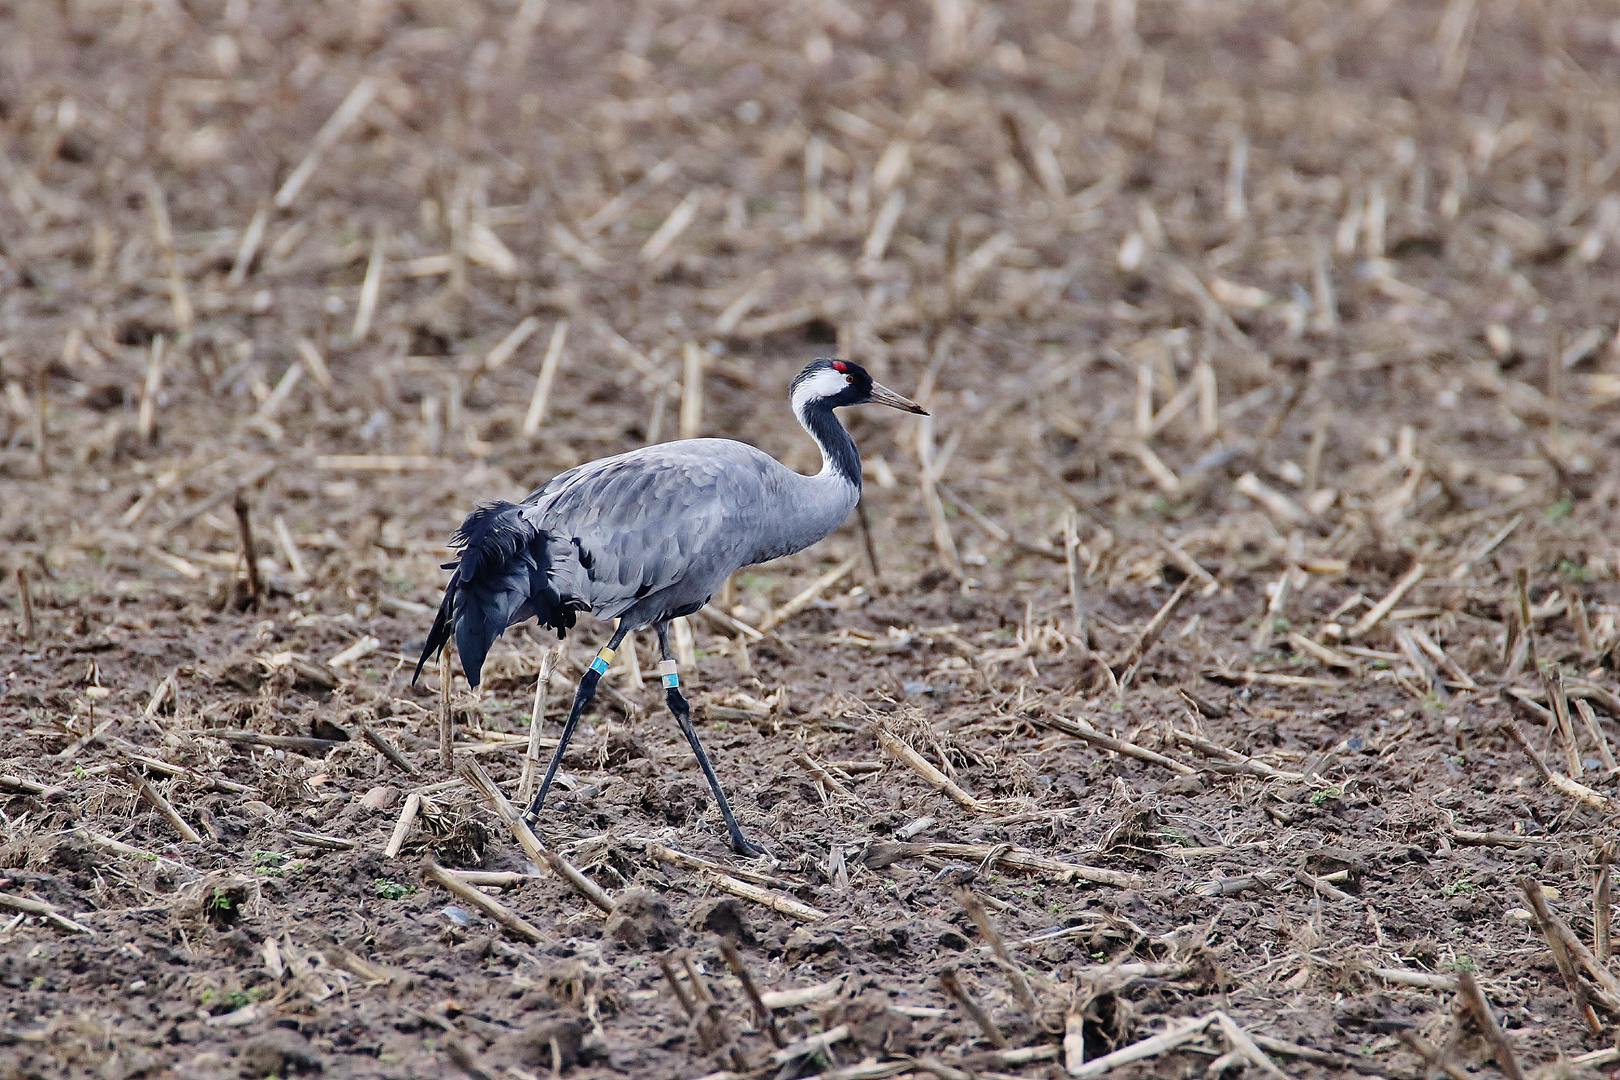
(441, 624)
(501, 578)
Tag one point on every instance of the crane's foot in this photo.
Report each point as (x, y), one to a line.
(740, 845)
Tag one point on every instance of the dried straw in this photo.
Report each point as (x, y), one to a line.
(517, 925)
(370, 288)
(692, 392)
(334, 129)
(537, 714)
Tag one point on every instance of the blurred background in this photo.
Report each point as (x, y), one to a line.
(327, 250)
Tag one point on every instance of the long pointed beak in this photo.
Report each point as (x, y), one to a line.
(884, 396)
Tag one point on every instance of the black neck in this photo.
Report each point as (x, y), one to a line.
(834, 441)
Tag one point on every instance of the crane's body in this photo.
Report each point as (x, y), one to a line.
(648, 536)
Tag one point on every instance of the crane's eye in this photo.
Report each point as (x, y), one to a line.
(849, 379)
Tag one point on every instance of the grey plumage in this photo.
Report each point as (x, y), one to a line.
(648, 536)
(663, 526)
(643, 536)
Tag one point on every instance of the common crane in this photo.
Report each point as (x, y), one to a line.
(647, 537)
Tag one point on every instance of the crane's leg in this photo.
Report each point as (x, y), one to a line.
(582, 698)
(683, 718)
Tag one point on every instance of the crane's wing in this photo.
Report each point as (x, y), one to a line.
(645, 521)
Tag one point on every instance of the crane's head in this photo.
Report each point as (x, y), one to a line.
(844, 382)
